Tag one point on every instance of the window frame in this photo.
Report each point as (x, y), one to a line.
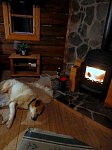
(9, 35)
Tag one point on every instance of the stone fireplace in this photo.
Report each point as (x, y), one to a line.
(85, 28)
(90, 40)
(97, 67)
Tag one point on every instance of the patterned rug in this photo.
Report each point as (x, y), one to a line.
(35, 139)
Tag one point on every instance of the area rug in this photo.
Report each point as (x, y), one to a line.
(35, 139)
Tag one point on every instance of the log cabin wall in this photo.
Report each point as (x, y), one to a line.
(53, 26)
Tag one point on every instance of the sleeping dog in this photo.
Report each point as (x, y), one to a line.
(32, 96)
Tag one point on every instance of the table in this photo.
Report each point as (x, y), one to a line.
(25, 65)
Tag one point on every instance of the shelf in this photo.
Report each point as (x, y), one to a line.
(25, 73)
(22, 68)
(31, 56)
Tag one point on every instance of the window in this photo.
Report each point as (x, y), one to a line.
(21, 21)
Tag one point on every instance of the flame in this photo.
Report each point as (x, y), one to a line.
(95, 74)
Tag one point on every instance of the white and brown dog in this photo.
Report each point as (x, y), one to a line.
(31, 96)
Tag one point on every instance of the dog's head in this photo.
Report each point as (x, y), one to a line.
(36, 108)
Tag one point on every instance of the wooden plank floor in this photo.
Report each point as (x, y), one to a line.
(58, 118)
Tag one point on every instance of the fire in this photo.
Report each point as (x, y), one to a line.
(95, 74)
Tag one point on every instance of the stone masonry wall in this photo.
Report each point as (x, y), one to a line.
(87, 20)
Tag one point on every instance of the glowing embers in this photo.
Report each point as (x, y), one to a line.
(94, 74)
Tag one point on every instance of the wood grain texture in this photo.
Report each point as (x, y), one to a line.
(59, 118)
(53, 26)
(18, 58)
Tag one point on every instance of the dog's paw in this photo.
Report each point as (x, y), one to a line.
(5, 120)
(9, 124)
(1, 119)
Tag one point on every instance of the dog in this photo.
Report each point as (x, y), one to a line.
(31, 96)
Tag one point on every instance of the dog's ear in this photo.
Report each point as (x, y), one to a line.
(39, 106)
(37, 103)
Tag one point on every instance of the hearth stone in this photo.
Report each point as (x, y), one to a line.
(84, 111)
(103, 120)
(86, 104)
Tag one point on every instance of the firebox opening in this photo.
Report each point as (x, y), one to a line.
(95, 74)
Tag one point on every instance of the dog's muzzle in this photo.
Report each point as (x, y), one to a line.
(34, 118)
(39, 108)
